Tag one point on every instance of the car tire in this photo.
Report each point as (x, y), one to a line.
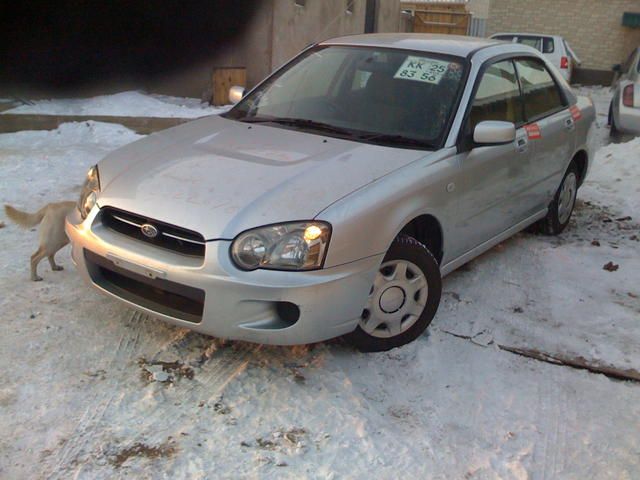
(613, 129)
(403, 299)
(561, 207)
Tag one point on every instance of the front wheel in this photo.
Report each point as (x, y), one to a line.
(613, 129)
(561, 207)
(403, 299)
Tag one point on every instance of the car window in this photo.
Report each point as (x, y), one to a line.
(315, 79)
(548, 45)
(360, 79)
(506, 38)
(498, 96)
(363, 93)
(541, 93)
(531, 41)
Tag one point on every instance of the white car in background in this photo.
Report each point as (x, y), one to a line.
(624, 113)
(554, 47)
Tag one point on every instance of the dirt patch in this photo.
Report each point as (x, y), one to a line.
(159, 371)
(280, 440)
(595, 225)
(142, 450)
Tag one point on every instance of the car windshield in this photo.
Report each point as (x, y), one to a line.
(394, 97)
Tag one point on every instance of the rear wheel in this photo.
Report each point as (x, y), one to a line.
(561, 207)
(403, 299)
(613, 130)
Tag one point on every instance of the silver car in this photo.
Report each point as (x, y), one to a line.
(335, 195)
(624, 113)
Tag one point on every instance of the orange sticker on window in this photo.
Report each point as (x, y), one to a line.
(576, 113)
(533, 131)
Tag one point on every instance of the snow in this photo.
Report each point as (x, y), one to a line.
(91, 389)
(126, 104)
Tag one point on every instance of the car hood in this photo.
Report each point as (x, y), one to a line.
(220, 177)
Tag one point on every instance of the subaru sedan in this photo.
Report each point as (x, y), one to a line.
(334, 196)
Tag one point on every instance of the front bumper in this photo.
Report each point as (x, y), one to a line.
(234, 304)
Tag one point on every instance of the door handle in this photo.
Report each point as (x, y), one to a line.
(522, 145)
(569, 124)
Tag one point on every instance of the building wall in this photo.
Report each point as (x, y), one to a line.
(277, 32)
(295, 27)
(389, 18)
(593, 28)
(479, 8)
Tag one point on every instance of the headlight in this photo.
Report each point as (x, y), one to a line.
(287, 246)
(89, 193)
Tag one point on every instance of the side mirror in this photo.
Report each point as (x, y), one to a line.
(617, 68)
(491, 132)
(235, 94)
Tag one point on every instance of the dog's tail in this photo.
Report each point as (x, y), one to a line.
(25, 219)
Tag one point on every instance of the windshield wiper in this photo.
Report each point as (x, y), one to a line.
(388, 139)
(398, 140)
(301, 122)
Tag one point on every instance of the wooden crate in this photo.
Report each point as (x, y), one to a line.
(223, 79)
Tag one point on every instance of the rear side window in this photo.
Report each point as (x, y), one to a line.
(534, 42)
(498, 96)
(505, 38)
(548, 45)
(541, 94)
(542, 44)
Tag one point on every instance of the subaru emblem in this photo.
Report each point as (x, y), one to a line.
(149, 230)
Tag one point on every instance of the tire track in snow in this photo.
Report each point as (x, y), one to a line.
(212, 377)
(85, 431)
(549, 452)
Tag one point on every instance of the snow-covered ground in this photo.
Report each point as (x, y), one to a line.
(125, 104)
(91, 389)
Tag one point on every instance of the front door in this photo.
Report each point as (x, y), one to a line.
(493, 176)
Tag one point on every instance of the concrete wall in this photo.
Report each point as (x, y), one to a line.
(278, 31)
(296, 27)
(389, 18)
(593, 28)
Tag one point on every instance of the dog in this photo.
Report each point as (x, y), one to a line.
(52, 234)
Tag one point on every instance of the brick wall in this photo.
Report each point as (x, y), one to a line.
(593, 28)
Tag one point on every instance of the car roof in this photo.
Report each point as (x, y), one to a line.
(527, 34)
(457, 45)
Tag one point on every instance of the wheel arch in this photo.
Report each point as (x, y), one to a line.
(581, 161)
(427, 229)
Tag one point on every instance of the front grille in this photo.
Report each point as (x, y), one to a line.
(159, 295)
(170, 237)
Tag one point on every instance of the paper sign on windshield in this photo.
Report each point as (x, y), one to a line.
(422, 70)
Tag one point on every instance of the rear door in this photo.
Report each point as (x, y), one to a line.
(492, 175)
(550, 127)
